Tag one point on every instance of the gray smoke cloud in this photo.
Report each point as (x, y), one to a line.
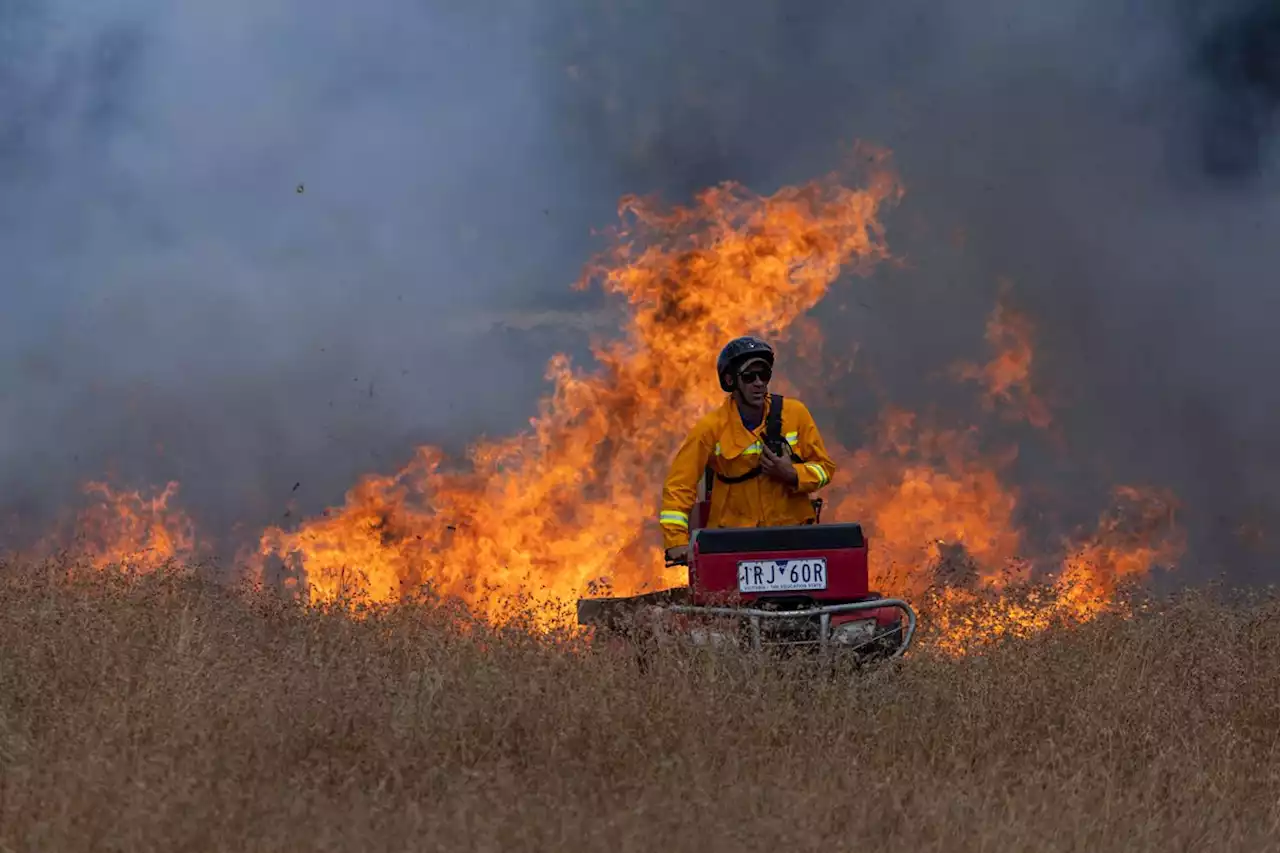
(250, 244)
(166, 283)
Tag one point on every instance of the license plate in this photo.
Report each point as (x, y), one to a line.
(782, 575)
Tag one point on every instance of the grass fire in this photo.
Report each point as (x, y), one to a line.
(419, 678)
(529, 523)
(615, 426)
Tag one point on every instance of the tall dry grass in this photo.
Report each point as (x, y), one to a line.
(170, 714)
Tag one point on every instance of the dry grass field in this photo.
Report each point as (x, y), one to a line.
(170, 714)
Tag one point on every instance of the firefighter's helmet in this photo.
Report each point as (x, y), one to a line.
(738, 350)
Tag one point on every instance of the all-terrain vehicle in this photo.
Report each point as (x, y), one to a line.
(769, 588)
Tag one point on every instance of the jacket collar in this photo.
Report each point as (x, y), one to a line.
(735, 438)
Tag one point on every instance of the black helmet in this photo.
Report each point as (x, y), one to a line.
(737, 350)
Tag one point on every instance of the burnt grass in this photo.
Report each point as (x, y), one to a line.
(169, 713)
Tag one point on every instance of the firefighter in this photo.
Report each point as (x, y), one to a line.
(752, 484)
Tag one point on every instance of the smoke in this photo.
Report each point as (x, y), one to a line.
(250, 244)
(266, 243)
(1240, 57)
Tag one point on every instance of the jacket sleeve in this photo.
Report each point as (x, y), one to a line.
(817, 469)
(681, 488)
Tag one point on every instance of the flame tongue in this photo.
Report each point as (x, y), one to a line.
(922, 492)
(546, 513)
(1135, 534)
(1007, 376)
(124, 528)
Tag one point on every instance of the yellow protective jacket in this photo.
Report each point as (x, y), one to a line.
(721, 441)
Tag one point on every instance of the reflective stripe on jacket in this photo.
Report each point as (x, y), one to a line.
(720, 440)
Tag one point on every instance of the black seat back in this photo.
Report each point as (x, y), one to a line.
(758, 540)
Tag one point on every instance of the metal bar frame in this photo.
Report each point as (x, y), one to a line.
(823, 613)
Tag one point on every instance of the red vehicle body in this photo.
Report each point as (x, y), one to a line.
(763, 587)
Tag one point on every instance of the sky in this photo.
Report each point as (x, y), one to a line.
(251, 244)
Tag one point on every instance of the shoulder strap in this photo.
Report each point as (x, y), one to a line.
(773, 430)
(773, 424)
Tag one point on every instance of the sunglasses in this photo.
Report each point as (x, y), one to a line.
(749, 376)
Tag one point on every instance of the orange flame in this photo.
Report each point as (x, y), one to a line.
(573, 501)
(920, 492)
(1137, 533)
(123, 528)
(1007, 376)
